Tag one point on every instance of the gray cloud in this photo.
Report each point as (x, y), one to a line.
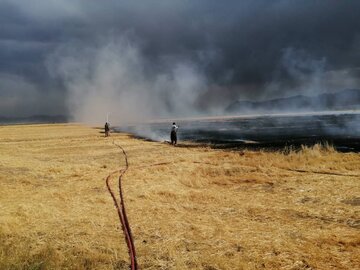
(239, 49)
(19, 97)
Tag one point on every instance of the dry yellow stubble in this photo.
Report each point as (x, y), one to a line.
(189, 207)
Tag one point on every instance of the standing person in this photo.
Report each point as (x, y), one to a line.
(107, 129)
(173, 135)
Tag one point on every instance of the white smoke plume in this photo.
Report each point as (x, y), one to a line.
(305, 75)
(115, 78)
(308, 75)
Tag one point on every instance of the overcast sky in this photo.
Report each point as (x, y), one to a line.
(247, 49)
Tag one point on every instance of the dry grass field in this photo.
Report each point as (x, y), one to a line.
(189, 207)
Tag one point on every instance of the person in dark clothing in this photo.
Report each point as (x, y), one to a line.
(173, 135)
(107, 129)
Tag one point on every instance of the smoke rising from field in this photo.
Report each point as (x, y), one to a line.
(114, 78)
(301, 73)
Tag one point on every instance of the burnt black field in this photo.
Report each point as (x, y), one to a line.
(265, 132)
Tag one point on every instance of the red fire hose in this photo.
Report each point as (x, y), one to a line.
(120, 208)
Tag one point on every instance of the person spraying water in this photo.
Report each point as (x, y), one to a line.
(107, 129)
(173, 134)
(107, 126)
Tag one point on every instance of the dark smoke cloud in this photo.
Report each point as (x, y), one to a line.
(238, 49)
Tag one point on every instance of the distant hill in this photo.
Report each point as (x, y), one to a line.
(346, 99)
(35, 119)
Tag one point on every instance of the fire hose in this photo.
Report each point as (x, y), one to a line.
(120, 205)
(120, 208)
